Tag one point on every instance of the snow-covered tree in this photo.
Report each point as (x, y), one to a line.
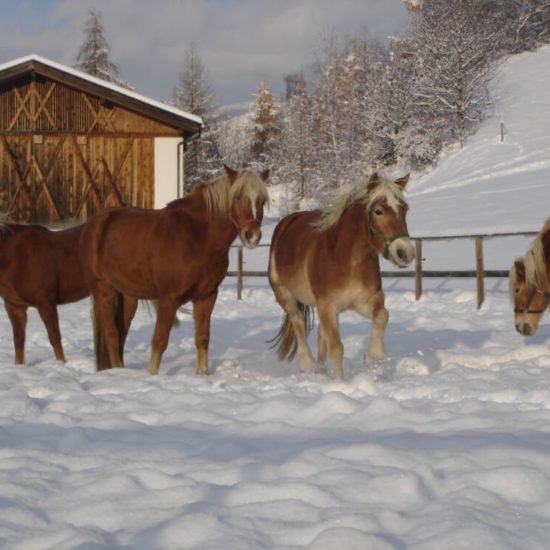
(94, 54)
(194, 95)
(454, 49)
(340, 106)
(530, 26)
(297, 160)
(265, 126)
(234, 141)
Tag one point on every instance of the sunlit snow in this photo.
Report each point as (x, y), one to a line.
(444, 445)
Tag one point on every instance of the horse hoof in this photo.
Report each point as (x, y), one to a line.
(373, 359)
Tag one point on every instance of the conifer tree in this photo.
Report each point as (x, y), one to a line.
(297, 159)
(93, 55)
(265, 126)
(194, 95)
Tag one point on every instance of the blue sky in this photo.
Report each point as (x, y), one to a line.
(241, 42)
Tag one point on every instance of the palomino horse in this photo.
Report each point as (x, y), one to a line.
(39, 268)
(172, 255)
(329, 259)
(530, 284)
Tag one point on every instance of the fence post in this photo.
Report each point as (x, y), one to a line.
(479, 272)
(418, 269)
(501, 132)
(239, 273)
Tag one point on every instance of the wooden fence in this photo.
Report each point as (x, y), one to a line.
(480, 273)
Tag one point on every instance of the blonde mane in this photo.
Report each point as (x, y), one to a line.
(349, 194)
(513, 281)
(219, 193)
(536, 275)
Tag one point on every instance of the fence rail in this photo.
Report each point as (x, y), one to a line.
(479, 273)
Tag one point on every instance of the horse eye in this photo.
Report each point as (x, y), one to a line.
(516, 290)
(379, 212)
(237, 197)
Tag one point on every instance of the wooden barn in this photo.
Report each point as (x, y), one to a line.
(72, 144)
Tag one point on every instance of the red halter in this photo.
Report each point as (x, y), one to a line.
(244, 224)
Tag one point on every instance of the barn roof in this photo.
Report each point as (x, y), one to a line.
(166, 114)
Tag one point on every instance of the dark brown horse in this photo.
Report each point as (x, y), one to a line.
(39, 268)
(174, 255)
(329, 259)
(530, 284)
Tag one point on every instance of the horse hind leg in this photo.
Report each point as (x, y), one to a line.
(127, 307)
(48, 314)
(107, 328)
(328, 328)
(322, 345)
(18, 318)
(166, 311)
(295, 315)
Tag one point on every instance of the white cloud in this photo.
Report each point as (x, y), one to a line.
(240, 41)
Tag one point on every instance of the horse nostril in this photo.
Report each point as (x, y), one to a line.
(248, 235)
(401, 254)
(526, 329)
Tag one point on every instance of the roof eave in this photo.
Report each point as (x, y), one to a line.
(188, 124)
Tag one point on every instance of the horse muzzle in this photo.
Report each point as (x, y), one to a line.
(251, 235)
(401, 252)
(527, 324)
(525, 329)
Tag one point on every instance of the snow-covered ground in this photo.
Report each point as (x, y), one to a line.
(445, 445)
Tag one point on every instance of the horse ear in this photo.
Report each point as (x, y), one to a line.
(374, 180)
(519, 266)
(402, 181)
(264, 174)
(231, 174)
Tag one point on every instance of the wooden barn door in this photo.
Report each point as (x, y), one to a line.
(47, 178)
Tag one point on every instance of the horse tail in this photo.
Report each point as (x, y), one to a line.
(285, 340)
(102, 360)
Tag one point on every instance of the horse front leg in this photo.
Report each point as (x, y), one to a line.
(202, 312)
(18, 318)
(375, 310)
(166, 312)
(48, 314)
(328, 320)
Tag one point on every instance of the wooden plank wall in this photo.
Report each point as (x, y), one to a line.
(65, 154)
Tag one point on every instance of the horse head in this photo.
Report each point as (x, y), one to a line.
(248, 197)
(387, 212)
(530, 301)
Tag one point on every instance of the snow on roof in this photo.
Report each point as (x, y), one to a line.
(100, 82)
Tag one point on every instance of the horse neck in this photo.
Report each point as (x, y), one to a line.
(351, 229)
(219, 230)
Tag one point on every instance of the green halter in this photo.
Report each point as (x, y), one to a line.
(527, 308)
(387, 240)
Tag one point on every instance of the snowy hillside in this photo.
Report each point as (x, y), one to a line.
(443, 445)
(489, 185)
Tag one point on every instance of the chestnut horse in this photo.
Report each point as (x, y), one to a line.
(173, 255)
(530, 284)
(39, 268)
(329, 259)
